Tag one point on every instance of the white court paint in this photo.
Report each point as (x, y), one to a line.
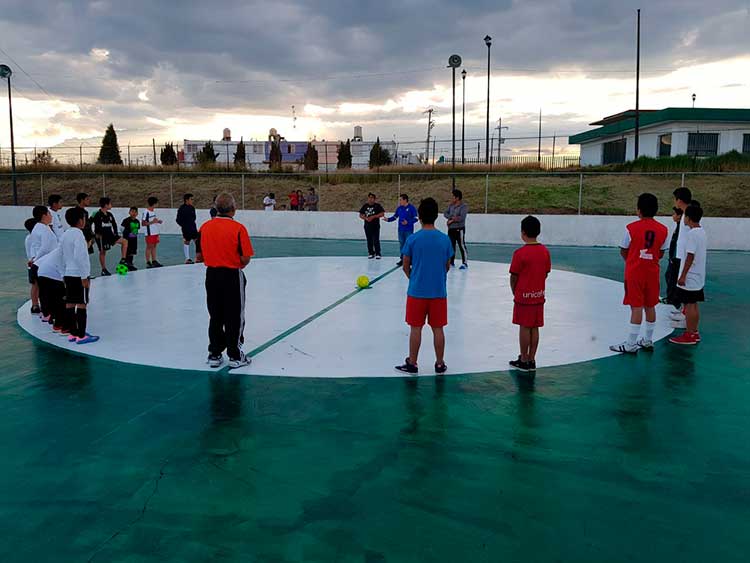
(557, 230)
(365, 336)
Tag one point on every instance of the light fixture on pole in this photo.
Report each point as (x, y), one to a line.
(454, 61)
(6, 72)
(488, 42)
(463, 114)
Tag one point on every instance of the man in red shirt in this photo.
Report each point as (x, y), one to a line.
(642, 247)
(529, 269)
(226, 250)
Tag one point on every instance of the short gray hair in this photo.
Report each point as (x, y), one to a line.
(225, 203)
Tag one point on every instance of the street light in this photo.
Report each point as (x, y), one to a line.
(488, 42)
(6, 72)
(454, 61)
(463, 113)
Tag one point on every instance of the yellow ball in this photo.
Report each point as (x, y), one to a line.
(363, 282)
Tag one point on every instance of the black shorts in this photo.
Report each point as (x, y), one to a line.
(33, 274)
(104, 243)
(75, 293)
(132, 246)
(685, 296)
(189, 235)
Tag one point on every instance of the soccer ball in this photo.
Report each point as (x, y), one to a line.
(363, 282)
(122, 270)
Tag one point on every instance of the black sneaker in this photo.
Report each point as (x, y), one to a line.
(440, 368)
(149, 265)
(35, 310)
(106, 272)
(370, 256)
(156, 264)
(131, 267)
(215, 361)
(189, 261)
(532, 365)
(400, 263)
(378, 257)
(519, 364)
(408, 367)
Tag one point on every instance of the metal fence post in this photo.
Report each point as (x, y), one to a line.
(41, 187)
(486, 192)
(398, 195)
(243, 191)
(171, 192)
(580, 192)
(104, 187)
(682, 182)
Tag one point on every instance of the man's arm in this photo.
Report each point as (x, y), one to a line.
(624, 253)
(688, 262)
(448, 266)
(407, 266)
(513, 283)
(245, 260)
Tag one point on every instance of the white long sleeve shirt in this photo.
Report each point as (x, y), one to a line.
(75, 254)
(50, 265)
(42, 241)
(58, 223)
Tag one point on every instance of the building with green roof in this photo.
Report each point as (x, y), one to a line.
(667, 132)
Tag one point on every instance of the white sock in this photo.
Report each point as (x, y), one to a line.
(650, 330)
(186, 250)
(633, 335)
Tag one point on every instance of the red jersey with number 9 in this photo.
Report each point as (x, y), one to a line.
(647, 240)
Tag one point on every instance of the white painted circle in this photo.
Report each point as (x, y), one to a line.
(363, 336)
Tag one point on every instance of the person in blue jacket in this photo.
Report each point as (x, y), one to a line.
(406, 214)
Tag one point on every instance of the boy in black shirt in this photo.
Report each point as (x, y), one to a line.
(130, 226)
(371, 213)
(107, 235)
(83, 201)
(186, 221)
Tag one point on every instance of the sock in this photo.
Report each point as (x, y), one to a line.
(81, 323)
(634, 332)
(70, 321)
(650, 330)
(186, 250)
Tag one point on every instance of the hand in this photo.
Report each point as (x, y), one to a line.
(682, 280)
(85, 282)
(404, 222)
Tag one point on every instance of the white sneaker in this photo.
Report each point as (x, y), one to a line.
(243, 361)
(675, 314)
(215, 361)
(625, 348)
(681, 323)
(645, 344)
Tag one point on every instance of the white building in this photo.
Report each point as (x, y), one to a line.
(226, 148)
(696, 132)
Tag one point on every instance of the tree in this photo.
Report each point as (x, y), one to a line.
(168, 156)
(345, 155)
(274, 157)
(311, 157)
(43, 158)
(379, 156)
(110, 151)
(239, 156)
(206, 156)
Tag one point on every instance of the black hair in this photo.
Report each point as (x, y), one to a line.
(405, 197)
(694, 213)
(152, 201)
(74, 215)
(104, 201)
(53, 199)
(39, 211)
(531, 226)
(29, 224)
(458, 194)
(695, 202)
(648, 205)
(428, 211)
(312, 190)
(372, 195)
(270, 194)
(186, 197)
(683, 194)
(677, 211)
(81, 196)
(134, 208)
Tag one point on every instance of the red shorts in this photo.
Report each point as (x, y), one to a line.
(434, 310)
(530, 316)
(642, 291)
(152, 239)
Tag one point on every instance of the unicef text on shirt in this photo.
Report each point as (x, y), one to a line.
(533, 294)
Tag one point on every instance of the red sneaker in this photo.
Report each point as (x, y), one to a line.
(686, 339)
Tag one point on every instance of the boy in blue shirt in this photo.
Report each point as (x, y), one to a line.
(427, 258)
(406, 214)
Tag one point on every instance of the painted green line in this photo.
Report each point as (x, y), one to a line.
(308, 320)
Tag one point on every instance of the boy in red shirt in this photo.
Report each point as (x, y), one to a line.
(529, 269)
(643, 246)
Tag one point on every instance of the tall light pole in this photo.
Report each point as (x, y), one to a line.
(488, 42)
(6, 72)
(463, 114)
(693, 101)
(454, 61)
(637, 85)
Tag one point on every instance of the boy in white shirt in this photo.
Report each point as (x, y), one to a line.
(151, 221)
(29, 225)
(269, 202)
(42, 241)
(52, 290)
(76, 269)
(692, 278)
(54, 202)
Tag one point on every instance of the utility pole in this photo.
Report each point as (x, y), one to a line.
(430, 125)
(80, 155)
(554, 139)
(153, 142)
(128, 155)
(488, 42)
(539, 147)
(6, 72)
(637, 83)
(499, 139)
(454, 62)
(463, 114)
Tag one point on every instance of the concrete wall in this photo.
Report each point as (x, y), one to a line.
(560, 230)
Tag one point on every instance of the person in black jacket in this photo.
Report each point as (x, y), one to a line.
(186, 221)
(673, 265)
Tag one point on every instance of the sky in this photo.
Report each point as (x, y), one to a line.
(175, 70)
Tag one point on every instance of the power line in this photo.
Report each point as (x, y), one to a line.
(27, 74)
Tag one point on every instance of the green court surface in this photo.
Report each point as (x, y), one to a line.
(625, 459)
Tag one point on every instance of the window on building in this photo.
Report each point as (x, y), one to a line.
(746, 143)
(703, 144)
(614, 152)
(665, 145)
(290, 149)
